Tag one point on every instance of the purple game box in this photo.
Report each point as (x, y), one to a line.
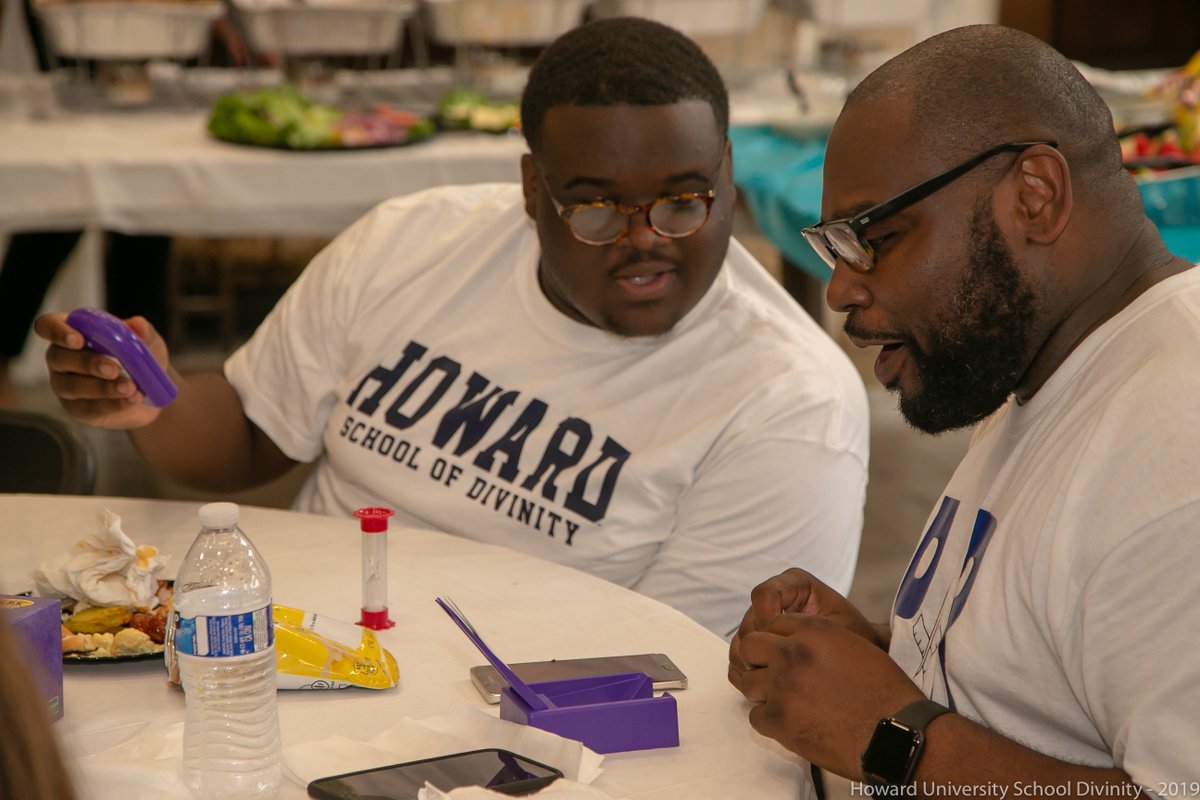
(38, 621)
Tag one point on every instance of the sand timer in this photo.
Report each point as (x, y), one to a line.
(374, 524)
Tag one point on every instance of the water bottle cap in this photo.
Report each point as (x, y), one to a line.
(219, 515)
(373, 520)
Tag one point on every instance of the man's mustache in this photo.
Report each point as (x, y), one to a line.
(852, 328)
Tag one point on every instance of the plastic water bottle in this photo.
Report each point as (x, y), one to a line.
(225, 645)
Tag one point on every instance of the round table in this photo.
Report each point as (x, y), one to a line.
(526, 609)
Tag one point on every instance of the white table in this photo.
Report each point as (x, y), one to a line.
(526, 608)
(160, 172)
(156, 170)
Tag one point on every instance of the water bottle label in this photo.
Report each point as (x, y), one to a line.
(226, 635)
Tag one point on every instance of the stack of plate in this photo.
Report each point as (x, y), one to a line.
(324, 27)
(693, 17)
(128, 31)
(502, 23)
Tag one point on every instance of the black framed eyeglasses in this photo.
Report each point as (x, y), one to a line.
(603, 222)
(844, 238)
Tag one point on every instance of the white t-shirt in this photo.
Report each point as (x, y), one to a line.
(1055, 596)
(419, 361)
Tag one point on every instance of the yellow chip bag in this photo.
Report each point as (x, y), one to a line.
(316, 652)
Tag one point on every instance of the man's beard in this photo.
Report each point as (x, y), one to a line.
(979, 349)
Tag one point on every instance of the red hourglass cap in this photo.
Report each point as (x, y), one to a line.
(373, 520)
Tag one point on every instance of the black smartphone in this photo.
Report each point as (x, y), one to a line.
(500, 770)
(662, 671)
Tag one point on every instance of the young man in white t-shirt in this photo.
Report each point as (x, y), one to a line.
(584, 367)
(983, 234)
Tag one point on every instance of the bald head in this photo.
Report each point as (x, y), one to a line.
(977, 86)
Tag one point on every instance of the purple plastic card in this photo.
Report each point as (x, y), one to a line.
(519, 686)
(105, 334)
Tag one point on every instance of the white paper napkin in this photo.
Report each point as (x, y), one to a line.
(146, 767)
(454, 732)
(104, 569)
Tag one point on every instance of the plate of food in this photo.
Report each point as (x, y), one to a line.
(115, 604)
(469, 109)
(1170, 138)
(284, 117)
(1158, 147)
(117, 634)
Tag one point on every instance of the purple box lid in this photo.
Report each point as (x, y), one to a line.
(607, 713)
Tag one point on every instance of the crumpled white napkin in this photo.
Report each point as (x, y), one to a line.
(454, 732)
(104, 569)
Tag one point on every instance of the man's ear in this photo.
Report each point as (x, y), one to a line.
(1044, 196)
(530, 185)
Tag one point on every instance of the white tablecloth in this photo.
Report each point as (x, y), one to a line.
(160, 172)
(526, 609)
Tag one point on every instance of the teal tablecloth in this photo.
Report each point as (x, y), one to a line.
(780, 179)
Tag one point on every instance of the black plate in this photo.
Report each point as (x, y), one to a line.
(112, 659)
(325, 148)
(1159, 162)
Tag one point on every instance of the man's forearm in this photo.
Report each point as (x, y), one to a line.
(959, 752)
(204, 440)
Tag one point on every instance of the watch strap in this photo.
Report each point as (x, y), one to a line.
(889, 762)
(920, 713)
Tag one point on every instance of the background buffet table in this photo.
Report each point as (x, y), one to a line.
(779, 177)
(160, 172)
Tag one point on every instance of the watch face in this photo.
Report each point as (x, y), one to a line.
(890, 755)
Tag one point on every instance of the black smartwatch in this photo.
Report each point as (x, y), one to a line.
(891, 756)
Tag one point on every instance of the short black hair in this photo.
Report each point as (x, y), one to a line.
(620, 61)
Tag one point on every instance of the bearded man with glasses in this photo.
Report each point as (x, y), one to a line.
(982, 233)
(582, 366)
